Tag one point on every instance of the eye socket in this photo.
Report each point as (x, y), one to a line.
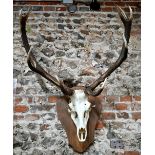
(87, 111)
(75, 114)
(85, 114)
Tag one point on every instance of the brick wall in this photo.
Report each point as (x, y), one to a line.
(106, 5)
(85, 43)
(37, 129)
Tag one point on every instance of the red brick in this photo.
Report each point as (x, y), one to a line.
(29, 99)
(37, 3)
(100, 125)
(109, 3)
(33, 3)
(136, 115)
(124, 115)
(49, 8)
(120, 4)
(114, 3)
(17, 3)
(107, 9)
(101, 3)
(53, 99)
(18, 100)
(21, 108)
(115, 9)
(32, 117)
(55, 3)
(138, 4)
(108, 115)
(131, 153)
(50, 3)
(126, 99)
(61, 9)
(112, 99)
(121, 106)
(137, 98)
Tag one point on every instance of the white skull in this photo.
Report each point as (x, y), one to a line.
(79, 107)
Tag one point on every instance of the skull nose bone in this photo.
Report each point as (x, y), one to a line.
(82, 133)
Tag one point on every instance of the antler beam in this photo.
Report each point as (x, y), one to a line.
(32, 63)
(127, 22)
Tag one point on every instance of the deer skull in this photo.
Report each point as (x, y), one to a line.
(79, 108)
(82, 118)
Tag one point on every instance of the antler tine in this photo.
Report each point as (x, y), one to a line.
(127, 22)
(23, 19)
(131, 13)
(32, 63)
(89, 91)
(121, 13)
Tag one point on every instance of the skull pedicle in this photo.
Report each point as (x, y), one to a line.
(79, 107)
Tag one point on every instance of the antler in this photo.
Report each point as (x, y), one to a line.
(32, 63)
(127, 22)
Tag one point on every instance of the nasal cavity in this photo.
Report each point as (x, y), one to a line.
(82, 133)
(82, 130)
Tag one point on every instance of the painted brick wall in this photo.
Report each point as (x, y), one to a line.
(85, 43)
